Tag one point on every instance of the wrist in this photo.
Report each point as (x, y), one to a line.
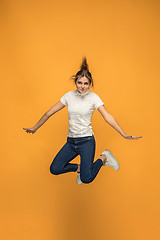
(124, 135)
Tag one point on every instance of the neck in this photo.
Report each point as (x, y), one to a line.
(85, 93)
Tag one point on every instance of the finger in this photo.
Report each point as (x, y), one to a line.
(136, 137)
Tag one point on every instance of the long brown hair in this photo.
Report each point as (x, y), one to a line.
(84, 72)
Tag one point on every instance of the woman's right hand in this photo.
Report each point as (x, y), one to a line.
(30, 130)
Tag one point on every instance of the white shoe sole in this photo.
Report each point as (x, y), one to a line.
(111, 160)
(78, 179)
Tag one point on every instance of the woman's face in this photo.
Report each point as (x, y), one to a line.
(82, 84)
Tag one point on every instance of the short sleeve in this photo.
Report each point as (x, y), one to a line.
(97, 101)
(64, 99)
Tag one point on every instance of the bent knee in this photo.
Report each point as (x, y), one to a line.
(54, 170)
(86, 179)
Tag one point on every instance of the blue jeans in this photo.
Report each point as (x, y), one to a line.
(83, 146)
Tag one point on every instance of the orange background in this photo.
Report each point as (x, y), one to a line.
(42, 45)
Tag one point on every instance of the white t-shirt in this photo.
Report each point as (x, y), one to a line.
(80, 110)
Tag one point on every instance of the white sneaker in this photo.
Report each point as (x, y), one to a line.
(78, 179)
(111, 160)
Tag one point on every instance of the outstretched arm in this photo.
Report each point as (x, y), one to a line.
(112, 122)
(58, 106)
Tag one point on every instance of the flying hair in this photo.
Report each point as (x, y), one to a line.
(84, 65)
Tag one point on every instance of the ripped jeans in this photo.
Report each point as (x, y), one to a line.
(83, 146)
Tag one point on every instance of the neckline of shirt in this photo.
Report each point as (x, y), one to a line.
(83, 94)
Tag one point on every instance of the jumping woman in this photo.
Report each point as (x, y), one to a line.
(80, 137)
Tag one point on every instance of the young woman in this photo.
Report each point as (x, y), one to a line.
(80, 138)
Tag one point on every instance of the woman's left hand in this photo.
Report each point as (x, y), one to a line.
(131, 137)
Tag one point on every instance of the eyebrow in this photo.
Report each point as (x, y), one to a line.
(81, 82)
